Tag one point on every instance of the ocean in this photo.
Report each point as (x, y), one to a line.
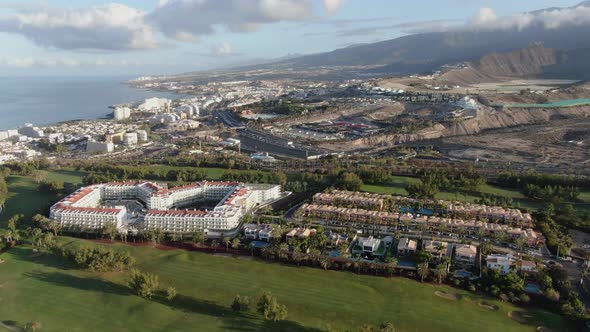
(47, 100)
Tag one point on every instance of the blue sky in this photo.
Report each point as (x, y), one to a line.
(135, 37)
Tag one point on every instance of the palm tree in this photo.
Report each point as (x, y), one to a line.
(36, 234)
(314, 255)
(423, 271)
(325, 262)
(235, 243)
(283, 251)
(297, 255)
(391, 265)
(441, 272)
(214, 245)
(198, 238)
(227, 241)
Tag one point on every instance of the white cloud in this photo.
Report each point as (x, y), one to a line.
(332, 6)
(487, 19)
(25, 62)
(30, 62)
(222, 49)
(177, 18)
(117, 26)
(112, 27)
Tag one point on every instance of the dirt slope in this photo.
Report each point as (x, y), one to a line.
(528, 62)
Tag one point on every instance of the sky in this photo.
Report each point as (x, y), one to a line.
(155, 37)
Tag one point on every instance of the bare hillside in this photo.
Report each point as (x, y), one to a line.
(527, 62)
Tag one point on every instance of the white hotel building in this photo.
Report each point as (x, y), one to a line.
(164, 206)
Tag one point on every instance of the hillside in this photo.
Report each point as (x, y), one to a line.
(524, 63)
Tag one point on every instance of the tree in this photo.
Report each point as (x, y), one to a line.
(198, 238)
(143, 284)
(441, 272)
(32, 326)
(350, 181)
(283, 251)
(155, 235)
(240, 303)
(226, 241)
(12, 223)
(47, 240)
(235, 243)
(36, 236)
(423, 271)
(54, 226)
(270, 308)
(170, 293)
(367, 328)
(391, 265)
(325, 262)
(109, 230)
(386, 327)
(214, 245)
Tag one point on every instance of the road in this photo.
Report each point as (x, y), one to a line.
(259, 141)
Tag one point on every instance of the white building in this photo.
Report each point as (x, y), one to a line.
(99, 147)
(369, 245)
(130, 139)
(500, 263)
(164, 205)
(56, 138)
(121, 113)
(406, 247)
(165, 118)
(30, 131)
(142, 135)
(155, 105)
(465, 254)
(189, 110)
(6, 134)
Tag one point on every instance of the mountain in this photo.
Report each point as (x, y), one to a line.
(428, 51)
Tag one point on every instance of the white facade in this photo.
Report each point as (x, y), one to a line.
(31, 131)
(101, 147)
(142, 135)
(130, 139)
(500, 263)
(121, 113)
(155, 105)
(83, 208)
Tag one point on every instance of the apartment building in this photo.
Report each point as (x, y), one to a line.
(83, 208)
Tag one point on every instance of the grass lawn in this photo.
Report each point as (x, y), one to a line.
(45, 289)
(397, 185)
(26, 199)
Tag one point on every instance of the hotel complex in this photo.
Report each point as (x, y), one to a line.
(160, 207)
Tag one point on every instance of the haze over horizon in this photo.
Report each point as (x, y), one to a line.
(132, 37)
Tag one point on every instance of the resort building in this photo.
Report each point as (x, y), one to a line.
(501, 263)
(85, 208)
(465, 254)
(437, 249)
(406, 247)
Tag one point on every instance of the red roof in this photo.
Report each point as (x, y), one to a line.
(177, 212)
(86, 209)
(79, 195)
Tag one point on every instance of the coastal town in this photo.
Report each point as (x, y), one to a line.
(295, 166)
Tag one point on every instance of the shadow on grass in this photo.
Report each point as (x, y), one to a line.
(43, 258)
(232, 321)
(82, 283)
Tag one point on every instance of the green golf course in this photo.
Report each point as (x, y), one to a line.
(44, 288)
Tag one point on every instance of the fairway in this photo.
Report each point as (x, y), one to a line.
(397, 186)
(45, 289)
(24, 197)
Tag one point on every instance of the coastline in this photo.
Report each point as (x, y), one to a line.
(62, 100)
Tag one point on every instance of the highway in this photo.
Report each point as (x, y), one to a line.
(263, 142)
